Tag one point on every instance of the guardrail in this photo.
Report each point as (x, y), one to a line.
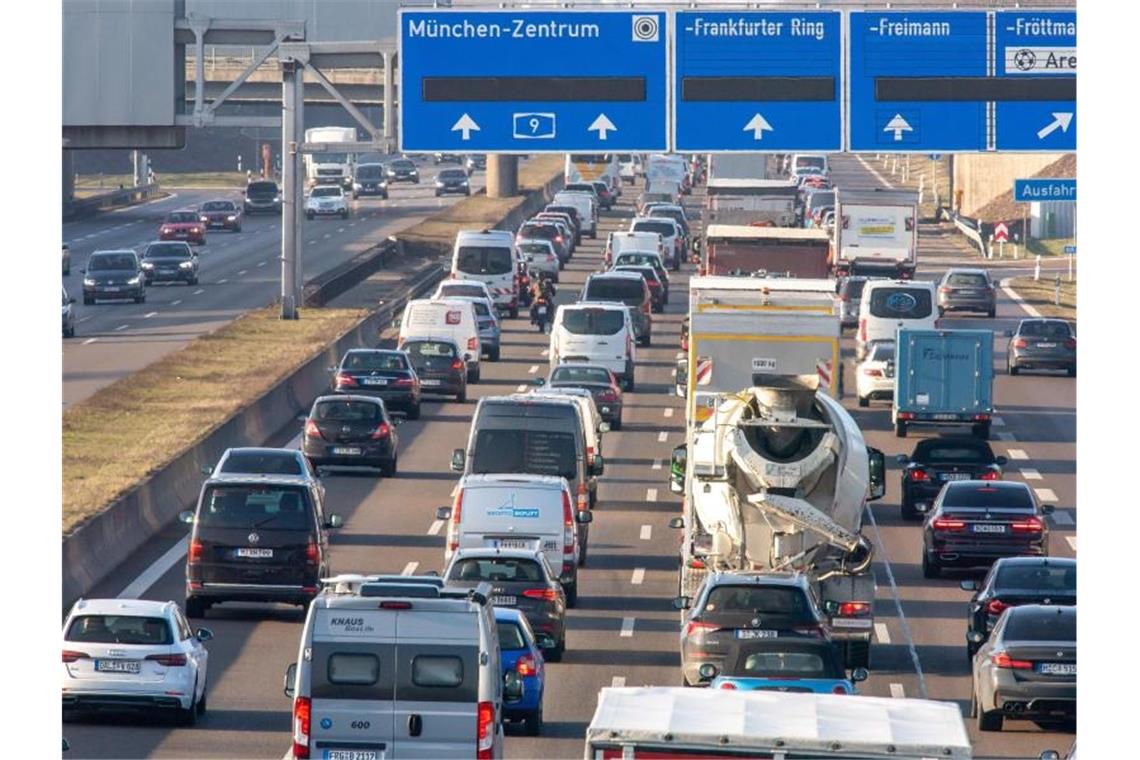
(971, 230)
(83, 207)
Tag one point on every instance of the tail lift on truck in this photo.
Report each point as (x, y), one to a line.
(944, 377)
(876, 233)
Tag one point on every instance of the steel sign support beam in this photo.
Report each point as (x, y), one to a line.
(208, 111)
(290, 72)
(353, 111)
(299, 190)
(389, 114)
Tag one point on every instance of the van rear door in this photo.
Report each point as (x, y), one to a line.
(353, 677)
(437, 683)
(513, 516)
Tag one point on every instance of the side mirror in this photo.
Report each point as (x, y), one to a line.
(458, 460)
(290, 679)
(186, 516)
(397, 421)
(859, 674)
(67, 747)
(676, 523)
(968, 585)
(707, 672)
(203, 634)
(512, 686)
(330, 369)
(598, 466)
(902, 459)
(208, 470)
(584, 517)
(682, 602)
(1001, 461)
(1049, 754)
(443, 513)
(1009, 333)
(677, 465)
(71, 300)
(539, 381)
(1048, 509)
(877, 474)
(604, 427)
(334, 522)
(975, 637)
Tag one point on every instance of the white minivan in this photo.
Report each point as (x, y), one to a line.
(587, 209)
(890, 305)
(595, 333)
(516, 511)
(490, 257)
(447, 318)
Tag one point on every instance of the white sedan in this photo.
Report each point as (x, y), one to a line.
(133, 654)
(327, 200)
(875, 375)
(539, 254)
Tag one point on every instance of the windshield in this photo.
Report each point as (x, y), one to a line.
(111, 262)
(326, 192)
(968, 279)
(484, 260)
(495, 570)
(181, 217)
(592, 321)
(1013, 497)
(627, 291)
(1052, 624)
(1039, 577)
(330, 158)
(664, 229)
(373, 360)
(218, 206)
(120, 629)
(402, 165)
(453, 174)
(370, 171)
(347, 411)
(1044, 329)
(245, 506)
(167, 251)
(901, 303)
(580, 375)
(261, 188)
(429, 350)
(535, 452)
(263, 462)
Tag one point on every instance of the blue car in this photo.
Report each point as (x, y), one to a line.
(521, 658)
(780, 664)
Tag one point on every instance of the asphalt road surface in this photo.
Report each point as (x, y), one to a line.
(624, 630)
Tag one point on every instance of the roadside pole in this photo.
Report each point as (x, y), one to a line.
(290, 71)
(298, 189)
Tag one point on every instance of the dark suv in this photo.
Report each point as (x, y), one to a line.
(627, 288)
(256, 538)
(938, 461)
(170, 261)
(262, 196)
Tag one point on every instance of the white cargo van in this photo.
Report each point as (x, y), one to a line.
(595, 333)
(587, 209)
(633, 241)
(446, 318)
(890, 305)
(398, 667)
(515, 511)
(490, 257)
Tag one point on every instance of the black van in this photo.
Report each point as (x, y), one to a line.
(256, 538)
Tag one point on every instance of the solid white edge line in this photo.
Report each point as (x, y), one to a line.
(157, 569)
(410, 568)
(638, 576)
(121, 327)
(874, 173)
(1013, 296)
(646, 532)
(626, 627)
(175, 303)
(882, 634)
(435, 528)
(897, 691)
(199, 292)
(150, 314)
(89, 341)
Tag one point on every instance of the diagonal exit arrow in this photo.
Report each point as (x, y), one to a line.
(1060, 121)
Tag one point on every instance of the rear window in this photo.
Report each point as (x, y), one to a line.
(568, 210)
(647, 272)
(266, 463)
(261, 188)
(511, 637)
(580, 375)
(1045, 329)
(626, 290)
(181, 217)
(854, 288)
(637, 259)
(430, 350)
(496, 570)
(1042, 577)
(883, 352)
(111, 262)
(967, 279)
(809, 162)
(786, 665)
(545, 231)
(536, 452)
(935, 451)
(484, 260)
(326, 192)
(120, 629)
(593, 321)
(437, 671)
(481, 309)
(347, 411)
(664, 229)
(374, 360)
(218, 206)
(469, 291)
(900, 303)
(243, 506)
(1012, 497)
(532, 248)
(759, 600)
(820, 199)
(1041, 625)
(167, 251)
(355, 669)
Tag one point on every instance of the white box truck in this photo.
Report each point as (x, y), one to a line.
(876, 233)
(331, 167)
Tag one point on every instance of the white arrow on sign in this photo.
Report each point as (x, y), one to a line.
(602, 125)
(465, 125)
(898, 125)
(1060, 121)
(757, 126)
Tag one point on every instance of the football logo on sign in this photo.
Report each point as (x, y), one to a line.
(1026, 60)
(645, 29)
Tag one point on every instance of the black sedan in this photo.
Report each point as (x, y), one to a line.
(452, 181)
(402, 170)
(598, 380)
(170, 261)
(1013, 581)
(938, 461)
(975, 522)
(1042, 344)
(439, 365)
(382, 374)
(351, 431)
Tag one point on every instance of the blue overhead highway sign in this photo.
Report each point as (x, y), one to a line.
(1037, 46)
(518, 81)
(899, 64)
(757, 81)
(1050, 189)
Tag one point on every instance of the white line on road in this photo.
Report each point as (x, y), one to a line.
(1007, 437)
(1018, 454)
(1046, 495)
(121, 327)
(533, 369)
(150, 314)
(646, 532)
(82, 320)
(175, 303)
(1072, 542)
(262, 263)
(618, 682)
(242, 273)
(657, 464)
(626, 627)
(158, 568)
(199, 292)
(435, 528)
(521, 389)
(1018, 299)
(327, 236)
(544, 352)
(1063, 518)
(89, 341)
(662, 437)
(311, 242)
(668, 411)
(882, 634)
(638, 576)
(340, 229)
(410, 568)
(897, 691)
(651, 494)
(874, 173)
(998, 422)
(223, 281)
(1030, 474)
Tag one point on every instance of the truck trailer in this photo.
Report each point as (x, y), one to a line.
(944, 377)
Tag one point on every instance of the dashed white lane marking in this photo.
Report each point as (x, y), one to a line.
(435, 528)
(150, 314)
(1063, 518)
(657, 464)
(1008, 437)
(199, 292)
(998, 422)
(662, 437)
(1030, 474)
(668, 411)
(651, 494)
(352, 224)
(638, 576)
(874, 173)
(1072, 542)
(340, 229)
(533, 369)
(521, 389)
(175, 303)
(618, 682)
(410, 568)
(262, 263)
(89, 341)
(544, 352)
(121, 327)
(242, 273)
(882, 634)
(646, 532)
(158, 568)
(81, 320)
(626, 627)
(327, 236)
(897, 691)
(223, 281)
(1018, 454)
(311, 242)
(1046, 495)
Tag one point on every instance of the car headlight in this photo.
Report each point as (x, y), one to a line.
(277, 199)
(231, 218)
(147, 265)
(205, 219)
(88, 282)
(439, 183)
(186, 264)
(134, 280)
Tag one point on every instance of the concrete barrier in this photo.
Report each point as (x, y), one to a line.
(80, 208)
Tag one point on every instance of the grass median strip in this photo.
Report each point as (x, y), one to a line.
(137, 425)
(168, 180)
(1040, 294)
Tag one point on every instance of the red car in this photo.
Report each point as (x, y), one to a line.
(183, 224)
(224, 214)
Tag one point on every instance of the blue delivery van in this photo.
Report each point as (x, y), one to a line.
(944, 377)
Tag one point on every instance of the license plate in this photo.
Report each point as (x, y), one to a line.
(255, 553)
(542, 311)
(504, 601)
(115, 289)
(350, 451)
(944, 416)
(1057, 668)
(987, 528)
(118, 666)
(429, 383)
(354, 754)
(839, 622)
(513, 543)
(1046, 345)
(955, 476)
(754, 633)
(374, 380)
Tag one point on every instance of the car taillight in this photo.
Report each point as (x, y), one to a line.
(197, 229)
(906, 415)
(697, 563)
(995, 606)
(1020, 343)
(545, 594)
(345, 380)
(70, 655)
(311, 429)
(844, 298)
(472, 344)
(195, 552)
(485, 731)
(168, 660)
(872, 372)
(947, 524)
(728, 685)
(863, 330)
(457, 364)
(981, 417)
(1003, 660)
(404, 382)
(526, 666)
(583, 498)
(567, 526)
(456, 510)
(302, 712)
(918, 476)
(312, 553)
(944, 290)
(608, 395)
(1071, 344)
(854, 609)
(990, 475)
(696, 630)
(1028, 525)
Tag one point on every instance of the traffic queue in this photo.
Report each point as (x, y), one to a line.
(776, 587)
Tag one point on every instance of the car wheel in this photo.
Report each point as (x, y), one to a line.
(930, 567)
(201, 705)
(514, 312)
(1013, 368)
(238, 228)
(414, 411)
(991, 313)
(973, 705)
(195, 607)
(309, 217)
(140, 299)
(1072, 371)
(384, 196)
(69, 332)
(982, 430)
(571, 589)
(906, 509)
(534, 721)
(554, 654)
(495, 353)
(88, 301)
(864, 401)
(461, 397)
(389, 468)
(468, 193)
(188, 717)
(989, 720)
(438, 193)
(344, 214)
(900, 429)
